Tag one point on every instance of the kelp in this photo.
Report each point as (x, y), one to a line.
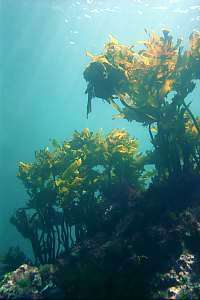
(150, 86)
(68, 187)
(148, 75)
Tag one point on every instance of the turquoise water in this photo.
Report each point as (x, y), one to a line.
(43, 45)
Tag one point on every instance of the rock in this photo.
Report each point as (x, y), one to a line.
(180, 282)
(28, 282)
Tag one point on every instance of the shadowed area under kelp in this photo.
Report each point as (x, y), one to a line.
(101, 226)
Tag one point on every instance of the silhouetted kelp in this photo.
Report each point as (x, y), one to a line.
(72, 189)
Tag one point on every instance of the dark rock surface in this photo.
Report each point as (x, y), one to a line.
(151, 252)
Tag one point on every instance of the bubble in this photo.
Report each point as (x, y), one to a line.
(87, 16)
(180, 11)
(140, 12)
(160, 7)
(95, 10)
(109, 9)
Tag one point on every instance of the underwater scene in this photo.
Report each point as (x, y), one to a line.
(100, 150)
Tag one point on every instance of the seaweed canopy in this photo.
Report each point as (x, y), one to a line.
(69, 189)
(151, 86)
(142, 80)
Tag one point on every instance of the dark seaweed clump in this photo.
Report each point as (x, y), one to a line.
(100, 224)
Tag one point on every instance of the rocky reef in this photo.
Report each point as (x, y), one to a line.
(30, 282)
(150, 252)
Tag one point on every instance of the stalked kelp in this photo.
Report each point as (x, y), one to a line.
(73, 185)
(152, 86)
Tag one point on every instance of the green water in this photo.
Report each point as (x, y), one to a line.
(43, 45)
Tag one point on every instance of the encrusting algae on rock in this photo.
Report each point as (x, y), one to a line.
(28, 282)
